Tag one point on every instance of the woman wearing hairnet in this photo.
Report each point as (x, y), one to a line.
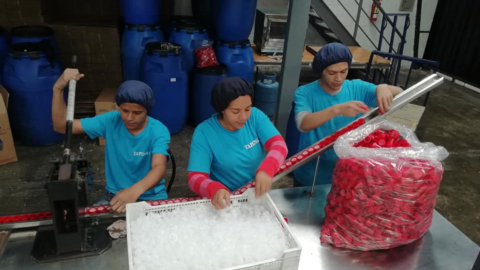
(136, 150)
(235, 146)
(329, 104)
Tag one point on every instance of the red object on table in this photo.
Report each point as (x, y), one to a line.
(376, 203)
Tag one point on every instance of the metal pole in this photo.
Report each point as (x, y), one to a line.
(418, 19)
(476, 266)
(312, 194)
(292, 60)
(360, 7)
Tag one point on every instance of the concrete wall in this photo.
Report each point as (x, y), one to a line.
(390, 6)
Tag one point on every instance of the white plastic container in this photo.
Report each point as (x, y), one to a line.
(289, 260)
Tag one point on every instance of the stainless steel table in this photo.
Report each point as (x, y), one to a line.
(444, 247)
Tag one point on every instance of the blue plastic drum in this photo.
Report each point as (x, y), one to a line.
(203, 81)
(187, 34)
(163, 69)
(238, 57)
(30, 72)
(235, 18)
(141, 11)
(134, 40)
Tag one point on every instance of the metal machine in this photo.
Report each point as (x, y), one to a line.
(66, 185)
(270, 31)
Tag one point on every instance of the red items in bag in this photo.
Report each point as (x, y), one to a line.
(381, 197)
(383, 138)
(206, 57)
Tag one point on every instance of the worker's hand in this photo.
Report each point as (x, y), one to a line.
(384, 98)
(120, 200)
(221, 199)
(67, 75)
(263, 183)
(350, 109)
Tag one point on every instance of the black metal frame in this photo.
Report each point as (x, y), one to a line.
(476, 266)
(174, 171)
(396, 59)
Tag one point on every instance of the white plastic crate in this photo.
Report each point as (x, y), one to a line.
(289, 260)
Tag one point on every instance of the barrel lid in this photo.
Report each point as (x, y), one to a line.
(242, 44)
(163, 48)
(141, 27)
(214, 70)
(32, 31)
(190, 27)
(33, 49)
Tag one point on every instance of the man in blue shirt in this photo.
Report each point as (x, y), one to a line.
(329, 104)
(136, 144)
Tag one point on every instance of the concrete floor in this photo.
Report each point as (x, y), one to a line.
(451, 119)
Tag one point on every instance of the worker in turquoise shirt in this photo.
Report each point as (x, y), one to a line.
(329, 104)
(235, 146)
(136, 144)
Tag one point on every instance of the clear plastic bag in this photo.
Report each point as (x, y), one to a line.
(381, 197)
(205, 54)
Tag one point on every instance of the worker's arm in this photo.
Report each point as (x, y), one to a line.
(385, 94)
(201, 184)
(131, 194)
(309, 121)
(199, 165)
(59, 109)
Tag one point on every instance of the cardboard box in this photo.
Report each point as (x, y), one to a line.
(105, 103)
(7, 148)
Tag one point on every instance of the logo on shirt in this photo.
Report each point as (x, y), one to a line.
(252, 144)
(141, 154)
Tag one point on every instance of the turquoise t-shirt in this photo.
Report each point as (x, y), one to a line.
(312, 98)
(231, 157)
(128, 158)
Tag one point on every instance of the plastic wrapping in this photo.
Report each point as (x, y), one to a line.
(381, 197)
(205, 54)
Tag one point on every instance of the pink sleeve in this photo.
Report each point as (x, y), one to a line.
(204, 187)
(276, 154)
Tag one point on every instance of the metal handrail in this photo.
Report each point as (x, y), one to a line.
(433, 64)
(386, 17)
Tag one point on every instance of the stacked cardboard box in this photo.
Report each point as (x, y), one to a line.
(105, 103)
(7, 148)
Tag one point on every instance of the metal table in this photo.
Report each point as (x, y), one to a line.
(444, 247)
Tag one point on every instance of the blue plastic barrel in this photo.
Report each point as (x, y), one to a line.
(141, 11)
(33, 33)
(234, 20)
(266, 94)
(178, 20)
(293, 134)
(163, 69)
(187, 34)
(203, 81)
(30, 72)
(134, 40)
(3, 51)
(238, 57)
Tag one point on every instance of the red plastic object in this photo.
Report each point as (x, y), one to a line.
(206, 57)
(380, 204)
(383, 138)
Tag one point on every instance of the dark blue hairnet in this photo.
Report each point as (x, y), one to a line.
(228, 90)
(135, 92)
(331, 54)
